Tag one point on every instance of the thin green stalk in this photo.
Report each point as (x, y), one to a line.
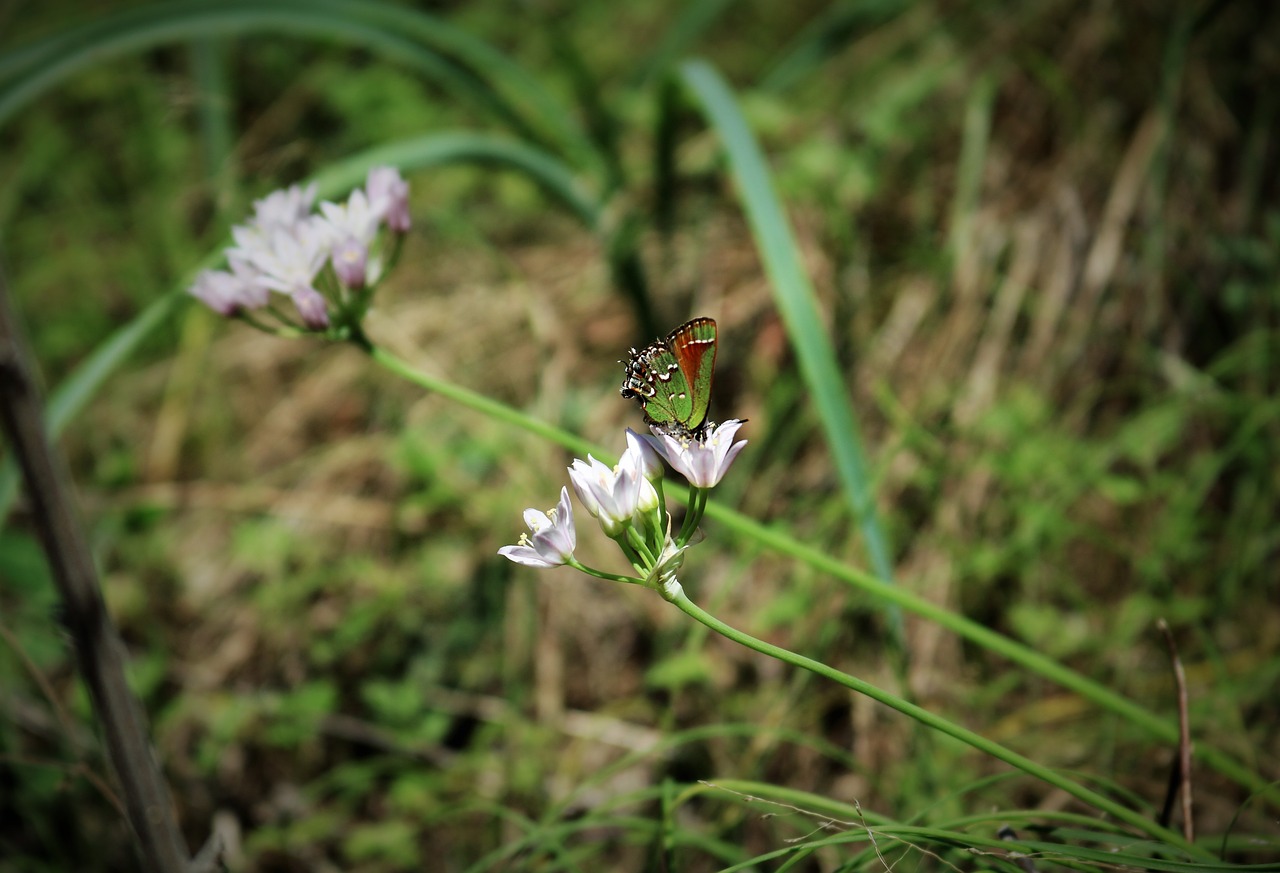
(638, 551)
(784, 542)
(478, 402)
(183, 21)
(697, 506)
(690, 23)
(675, 594)
(557, 179)
(73, 394)
(797, 303)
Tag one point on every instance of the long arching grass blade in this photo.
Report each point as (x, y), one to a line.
(546, 112)
(461, 147)
(232, 22)
(827, 34)
(1017, 653)
(40, 68)
(797, 303)
(693, 21)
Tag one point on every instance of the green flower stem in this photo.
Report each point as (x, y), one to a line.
(653, 530)
(662, 508)
(601, 574)
(784, 543)
(675, 594)
(637, 549)
(697, 506)
(480, 403)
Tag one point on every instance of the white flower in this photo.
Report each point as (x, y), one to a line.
(313, 308)
(352, 227)
(256, 293)
(636, 460)
(553, 537)
(226, 293)
(283, 208)
(702, 461)
(613, 495)
(357, 218)
(350, 262)
(390, 195)
(650, 462)
(285, 259)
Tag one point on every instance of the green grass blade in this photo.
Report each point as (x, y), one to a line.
(519, 85)
(693, 21)
(1165, 729)
(828, 33)
(555, 178)
(973, 157)
(92, 43)
(217, 137)
(549, 115)
(18, 62)
(796, 302)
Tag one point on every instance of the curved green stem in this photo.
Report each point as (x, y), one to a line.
(638, 551)
(601, 574)
(675, 594)
(697, 506)
(785, 543)
(478, 402)
(664, 517)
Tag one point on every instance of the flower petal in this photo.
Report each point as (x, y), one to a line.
(553, 537)
(527, 556)
(702, 461)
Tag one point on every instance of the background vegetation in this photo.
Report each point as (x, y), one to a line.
(1044, 240)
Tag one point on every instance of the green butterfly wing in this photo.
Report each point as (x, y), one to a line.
(672, 378)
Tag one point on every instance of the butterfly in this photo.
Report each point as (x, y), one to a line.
(672, 378)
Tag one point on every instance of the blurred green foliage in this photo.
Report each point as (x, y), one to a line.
(331, 655)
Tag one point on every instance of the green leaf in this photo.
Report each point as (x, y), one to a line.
(390, 842)
(450, 57)
(797, 303)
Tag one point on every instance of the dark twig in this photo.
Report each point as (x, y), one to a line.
(1009, 835)
(98, 646)
(1182, 767)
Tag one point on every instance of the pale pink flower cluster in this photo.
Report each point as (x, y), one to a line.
(626, 501)
(613, 495)
(285, 248)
